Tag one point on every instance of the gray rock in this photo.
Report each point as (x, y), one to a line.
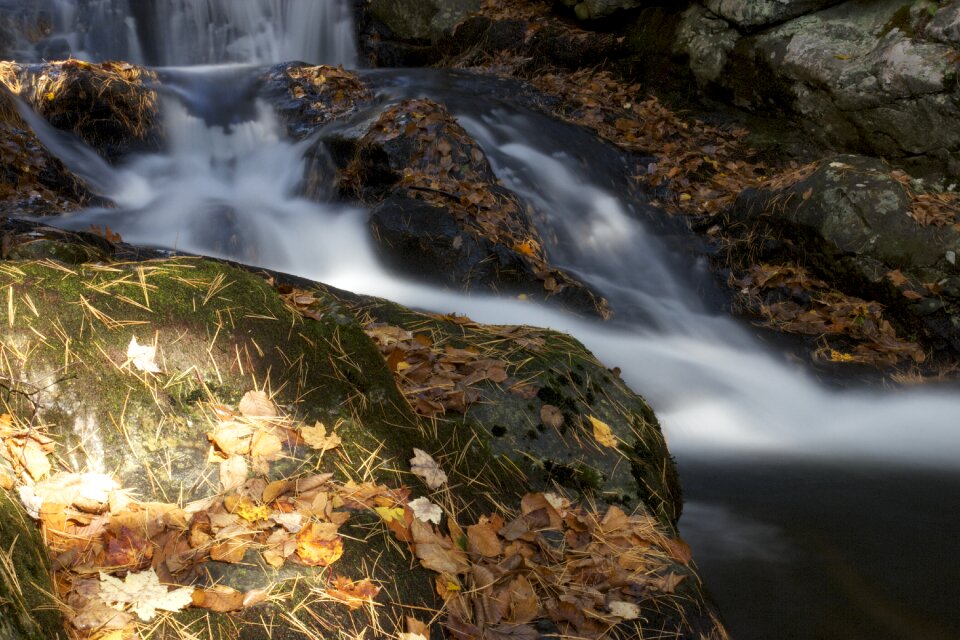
(752, 14)
(422, 19)
(706, 40)
(945, 25)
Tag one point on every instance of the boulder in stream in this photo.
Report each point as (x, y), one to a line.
(257, 441)
(111, 106)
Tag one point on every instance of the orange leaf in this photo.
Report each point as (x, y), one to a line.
(319, 545)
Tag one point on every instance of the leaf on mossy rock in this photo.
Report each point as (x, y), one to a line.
(318, 544)
(353, 593)
(423, 465)
(143, 594)
(318, 438)
(603, 433)
(257, 404)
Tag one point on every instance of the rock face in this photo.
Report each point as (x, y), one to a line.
(111, 106)
(422, 19)
(524, 409)
(872, 77)
(856, 222)
(753, 14)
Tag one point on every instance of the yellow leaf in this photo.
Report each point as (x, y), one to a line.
(390, 514)
(51, 96)
(316, 437)
(603, 433)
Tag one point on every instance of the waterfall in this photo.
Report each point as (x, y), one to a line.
(188, 32)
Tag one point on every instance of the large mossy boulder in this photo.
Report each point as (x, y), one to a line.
(111, 106)
(192, 384)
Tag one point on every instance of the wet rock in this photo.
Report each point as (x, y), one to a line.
(860, 225)
(28, 610)
(219, 331)
(424, 169)
(111, 106)
(32, 181)
(421, 19)
(307, 97)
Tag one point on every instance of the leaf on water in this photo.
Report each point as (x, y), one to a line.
(144, 594)
(424, 466)
(426, 511)
(317, 437)
(624, 610)
(257, 404)
(142, 356)
(603, 433)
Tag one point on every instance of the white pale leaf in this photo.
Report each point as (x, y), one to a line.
(423, 465)
(143, 356)
(624, 610)
(426, 511)
(144, 594)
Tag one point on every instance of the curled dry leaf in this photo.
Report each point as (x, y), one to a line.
(353, 593)
(551, 416)
(424, 466)
(219, 598)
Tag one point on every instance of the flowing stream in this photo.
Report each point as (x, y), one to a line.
(813, 511)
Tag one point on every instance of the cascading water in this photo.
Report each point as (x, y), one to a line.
(191, 32)
(798, 493)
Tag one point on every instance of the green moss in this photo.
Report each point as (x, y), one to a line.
(27, 612)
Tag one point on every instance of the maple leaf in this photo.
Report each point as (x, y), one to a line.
(424, 466)
(144, 594)
(317, 437)
(603, 433)
(142, 356)
(426, 511)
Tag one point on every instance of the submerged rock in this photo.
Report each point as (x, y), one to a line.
(224, 353)
(111, 106)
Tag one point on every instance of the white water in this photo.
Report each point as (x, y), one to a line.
(188, 32)
(720, 394)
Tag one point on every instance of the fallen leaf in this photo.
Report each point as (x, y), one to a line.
(624, 610)
(317, 437)
(424, 466)
(257, 404)
(390, 514)
(353, 593)
(219, 598)
(233, 473)
(144, 594)
(603, 433)
(482, 539)
(551, 416)
(426, 511)
(142, 356)
(266, 446)
(319, 545)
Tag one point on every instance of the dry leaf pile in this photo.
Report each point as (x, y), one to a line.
(789, 299)
(582, 571)
(328, 92)
(435, 378)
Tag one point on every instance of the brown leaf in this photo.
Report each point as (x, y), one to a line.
(352, 593)
(482, 540)
(317, 437)
(219, 598)
(257, 404)
(524, 604)
(266, 446)
(436, 553)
